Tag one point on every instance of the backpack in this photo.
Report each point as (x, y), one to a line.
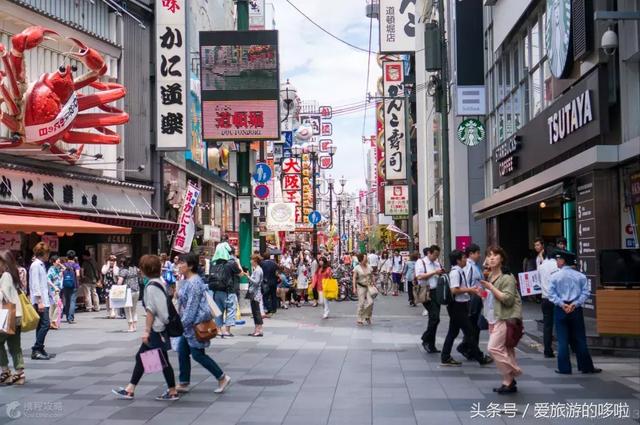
(443, 290)
(174, 327)
(69, 278)
(219, 277)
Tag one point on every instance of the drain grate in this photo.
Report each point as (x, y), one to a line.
(264, 382)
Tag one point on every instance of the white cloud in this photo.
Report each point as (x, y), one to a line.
(324, 69)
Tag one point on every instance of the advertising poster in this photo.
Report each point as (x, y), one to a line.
(529, 283)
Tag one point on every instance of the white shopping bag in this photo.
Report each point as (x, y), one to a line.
(118, 292)
(215, 310)
(123, 303)
(4, 315)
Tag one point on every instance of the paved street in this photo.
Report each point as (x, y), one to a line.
(305, 371)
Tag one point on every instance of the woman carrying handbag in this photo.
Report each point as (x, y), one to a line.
(9, 297)
(365, 288)
(198, 324)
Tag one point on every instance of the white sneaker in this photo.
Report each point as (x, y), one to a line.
(325, 316)
(222, 386)
(425, 313)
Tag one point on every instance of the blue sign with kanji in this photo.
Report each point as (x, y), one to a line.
(263, 173)
(315, 217)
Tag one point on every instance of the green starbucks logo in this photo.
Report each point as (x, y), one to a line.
(471, 132)
(558, 36)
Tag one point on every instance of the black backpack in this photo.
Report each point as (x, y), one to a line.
(174, 326)
(219, 277)
(443, 290)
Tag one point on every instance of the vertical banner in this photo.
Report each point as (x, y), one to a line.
(186, 226)
(380, 153)
(172, 87)
(292, 185)
(394, 121)
(256, 15)
(397, 26)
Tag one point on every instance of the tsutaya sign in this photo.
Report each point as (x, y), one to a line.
(571, 117)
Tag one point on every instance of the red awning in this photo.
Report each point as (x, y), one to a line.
(39, 223)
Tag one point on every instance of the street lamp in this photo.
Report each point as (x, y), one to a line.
(288, 94)
(331, 191)
(313, 153)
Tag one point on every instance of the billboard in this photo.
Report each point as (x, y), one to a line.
(239, 75)
(396, 200)
(397, 26)
(172, 87)
(395, 137)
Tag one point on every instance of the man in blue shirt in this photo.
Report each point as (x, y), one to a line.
(568, 291)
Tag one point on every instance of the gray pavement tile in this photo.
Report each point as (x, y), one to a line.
(137, 412)
(93, 412)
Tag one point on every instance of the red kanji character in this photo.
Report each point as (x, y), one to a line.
(171, 5)
(292, 181)
(239, 119)
(182, 231)
(291, 164)
(180, 241)
(223, 119)
(256, 119)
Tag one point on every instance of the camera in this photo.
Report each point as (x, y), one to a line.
(609, 42)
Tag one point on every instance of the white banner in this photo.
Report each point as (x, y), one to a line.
(394, 121)
(396, 200)
(397, 26)
(172, 87)
(186, 227)
(281, 217)
(256, 15)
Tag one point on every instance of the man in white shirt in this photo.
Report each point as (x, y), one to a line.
(474, 276)
(458, 310)
(374, 261)
(545, 270)
(428, 269)
(39, 293)
(397, 264)
(286, 261)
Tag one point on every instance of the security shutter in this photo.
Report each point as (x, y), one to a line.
(582, 27)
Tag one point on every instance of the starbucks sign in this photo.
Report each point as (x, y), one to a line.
(471, 132)
(558, 36)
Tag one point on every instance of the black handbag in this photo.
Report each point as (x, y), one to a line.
(483, 323)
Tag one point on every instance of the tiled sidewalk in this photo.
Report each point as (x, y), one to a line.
(307, 371)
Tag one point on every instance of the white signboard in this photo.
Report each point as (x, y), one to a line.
(394, 121)
(396, 200)
(281, 217)
(471, 100)
(10, 241)
(529, 283)
(256, 15)
(397, 26)
(172, 88)
(186, 227)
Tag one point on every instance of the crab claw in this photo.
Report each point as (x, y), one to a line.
(91, 58)
(29, 38)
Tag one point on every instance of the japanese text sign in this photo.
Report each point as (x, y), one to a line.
(396, 200)
(240, 85)
(172, 87)
(529, 283)
(394, 121)
(184, 236)
(397, 26)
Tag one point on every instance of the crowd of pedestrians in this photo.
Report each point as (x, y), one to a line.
(188, 301)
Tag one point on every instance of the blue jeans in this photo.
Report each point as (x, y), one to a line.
(69, 300)
(42, 329)
(198, 354)
(232, 302)
(220, 299)
(570, 330)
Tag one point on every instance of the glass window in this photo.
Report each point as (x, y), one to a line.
(535, 45)
(489, 81)
(500, 82)
(524, 87)
(548, 96)
(527, 50)
(507, 71)
(536, 92)
(543, 43)
(517, 108)
(500, 123)
(516, 65)
(508, 112)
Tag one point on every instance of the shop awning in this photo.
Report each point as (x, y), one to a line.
(135, 222)
(520, 202)
(37, 223)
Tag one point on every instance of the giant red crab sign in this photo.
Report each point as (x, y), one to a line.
(47, 112)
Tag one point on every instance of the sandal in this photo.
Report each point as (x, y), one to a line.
(5, 377)
(16, 379)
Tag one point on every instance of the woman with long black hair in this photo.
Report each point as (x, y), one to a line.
(324, 272)
(9, 292)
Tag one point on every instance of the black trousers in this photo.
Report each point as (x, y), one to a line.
(429, 336)
(273, 296)
(255, 312)
(473, 339)
(459, 321)
(155, 341)
(410, 292)
(547, 323)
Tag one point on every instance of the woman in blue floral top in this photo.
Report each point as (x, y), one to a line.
(54, 276)
(194, 309)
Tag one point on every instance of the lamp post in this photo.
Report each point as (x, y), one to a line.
(313, 152)
(288, 94)
(339, 226)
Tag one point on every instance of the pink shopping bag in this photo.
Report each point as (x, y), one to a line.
(153, 361)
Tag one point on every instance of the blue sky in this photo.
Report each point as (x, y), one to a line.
(323, 69)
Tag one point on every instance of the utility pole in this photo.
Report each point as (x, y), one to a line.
(407, 126)
(244, 180)
(444, 105)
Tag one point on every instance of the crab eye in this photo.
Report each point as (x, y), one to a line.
(62, 68)
(74, 68)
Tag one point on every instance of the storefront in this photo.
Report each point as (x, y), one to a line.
(76, 211)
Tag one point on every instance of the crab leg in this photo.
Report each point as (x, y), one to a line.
(10, 121)
(96, 99)
(11, 142)
(100, 120)
(27, 39)
(8, 99)
(108, 137)
(11, 78)
(65, 155)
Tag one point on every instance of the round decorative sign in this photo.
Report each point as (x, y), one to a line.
(558, 36)
(261, 191)
(471, 132)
